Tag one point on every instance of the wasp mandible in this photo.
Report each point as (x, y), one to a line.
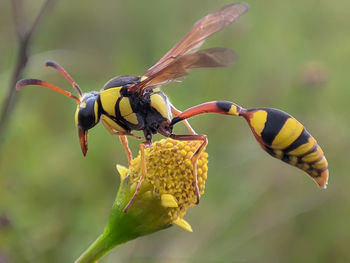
(129, 103)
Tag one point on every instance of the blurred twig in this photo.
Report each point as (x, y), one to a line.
(24, 37)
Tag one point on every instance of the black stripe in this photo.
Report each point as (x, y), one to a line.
(116, 108)
(121, 81)
(302, 139)
(100, 108)
(119, 118)
(175, 120)
(286, 158)
(270, 151)
(322, 170)
(224, 105)
(274, 123)
(309, 171)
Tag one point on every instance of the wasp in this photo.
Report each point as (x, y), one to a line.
(136, 103)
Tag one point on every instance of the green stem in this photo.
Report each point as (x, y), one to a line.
(95, 251)
(144, 217)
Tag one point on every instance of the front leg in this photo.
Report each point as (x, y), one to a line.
(124, 140)
(107, 123)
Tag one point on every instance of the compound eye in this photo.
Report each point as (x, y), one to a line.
(86, 115)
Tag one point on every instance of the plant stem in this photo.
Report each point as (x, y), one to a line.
(97, 249)
(146, 216)
(24, 38)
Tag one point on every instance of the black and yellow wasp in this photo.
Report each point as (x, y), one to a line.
(130, 103)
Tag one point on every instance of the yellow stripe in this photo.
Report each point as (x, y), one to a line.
(109, 98)
(132, 118)
(321, 164)
(126, 111)
(233, 111)
(304, 166)
(314, 156)
(293, 160)
(125, 107)
(111, 125)
(76, 115)
(290, 131)
(143, 78)
(278, 154)
(96, 111)
(304, 148)
(258, 121)
(159, 104)
(313, 173)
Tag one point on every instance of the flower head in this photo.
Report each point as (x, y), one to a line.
(165, 195)
(169, 176)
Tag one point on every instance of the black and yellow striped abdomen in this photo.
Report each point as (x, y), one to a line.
(285, 138)
(278, 133)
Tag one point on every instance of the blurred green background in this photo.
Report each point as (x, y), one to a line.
(293, 55)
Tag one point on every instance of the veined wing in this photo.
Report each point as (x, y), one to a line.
(204, 28)
(207, 58)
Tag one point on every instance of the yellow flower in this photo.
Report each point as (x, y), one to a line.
(165, 195)
(170, 177)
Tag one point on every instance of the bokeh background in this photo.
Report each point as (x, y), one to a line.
(293, 55)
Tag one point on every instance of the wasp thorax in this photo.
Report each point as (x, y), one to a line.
(87, 115)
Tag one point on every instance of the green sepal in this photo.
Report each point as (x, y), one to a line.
(145, 216)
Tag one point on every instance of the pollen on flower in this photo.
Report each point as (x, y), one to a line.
(170, 175)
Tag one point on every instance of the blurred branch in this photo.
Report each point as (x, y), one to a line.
(24, 37)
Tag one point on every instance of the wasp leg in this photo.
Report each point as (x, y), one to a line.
(143, 145)
(122, 137)
(129, 134)
(176, 112)
(195, 156)
(124, 141)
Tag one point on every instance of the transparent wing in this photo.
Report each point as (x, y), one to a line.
(207, 58)
(204, 28)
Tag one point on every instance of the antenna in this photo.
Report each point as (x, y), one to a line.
(65, 74)
(25, 82)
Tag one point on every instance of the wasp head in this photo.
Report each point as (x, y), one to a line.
(87, 116)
